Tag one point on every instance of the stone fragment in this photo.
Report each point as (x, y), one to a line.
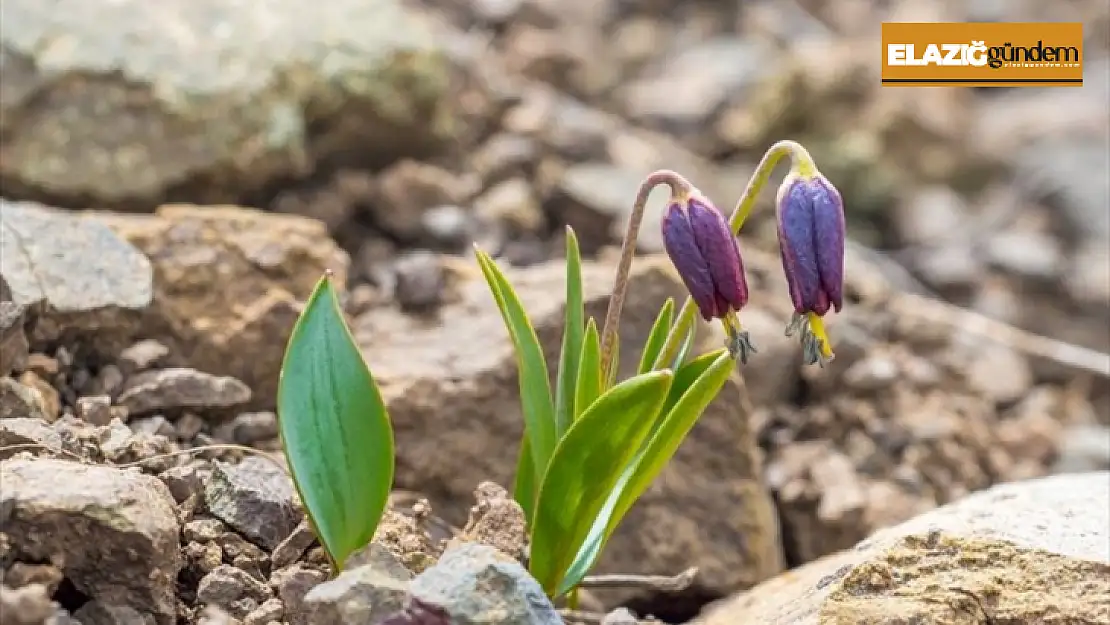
(169, 115)
(178, 388)
(1021, 551)
(477, 584)
(113, 532)
(98, 288)
(256, 498)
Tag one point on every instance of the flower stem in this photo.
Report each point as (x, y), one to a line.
(800, 162)
(680, 187)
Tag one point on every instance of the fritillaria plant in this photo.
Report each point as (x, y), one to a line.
(593, 444)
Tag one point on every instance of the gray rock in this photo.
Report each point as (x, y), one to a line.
(177, 388)
(271, 611)
(1084, 448)
(596, 200)
(1028, 254)
(122, 102)
(28, 605)
(1059, 524)
(28, 431)
(292, 584)
(143, 355)
(477, 584)
(379, 557)
(19, 401)
(256, 498)
(620, 616)
(249, 427)
(97, 613)
(232, 590)
(186, 480)
(360, 596)
(115, 531)
(293, 546)
(420, 281)
(95, 409)
(931, 215)
(101, 283)
(13, 339)
(1055, 168)
(697, 80)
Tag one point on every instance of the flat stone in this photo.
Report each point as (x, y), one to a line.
(125, 102)
(114, 532)
(478, 584)
(232, 590)
(28, 431)
(266, 264)
(1022, 548)
(179, 388)
(363, 595)
(256, 498)
(77, 277)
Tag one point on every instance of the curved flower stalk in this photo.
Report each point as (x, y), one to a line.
(813, 220)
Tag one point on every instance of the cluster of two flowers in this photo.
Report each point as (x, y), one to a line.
(705, 252)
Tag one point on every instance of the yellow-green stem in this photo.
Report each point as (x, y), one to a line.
(680, 187)
(801, 163)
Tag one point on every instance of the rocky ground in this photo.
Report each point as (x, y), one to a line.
(176, 178)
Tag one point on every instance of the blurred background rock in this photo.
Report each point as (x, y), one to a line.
(411, 130)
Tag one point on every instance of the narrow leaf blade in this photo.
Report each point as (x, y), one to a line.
(334, 427)
(586, 464)
(588, 387)
(661, 446)
(657, 336)
(535, 390)
(571, 350)
(524, 485)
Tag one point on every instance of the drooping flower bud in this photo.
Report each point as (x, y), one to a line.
(707, 256)
(810, 216)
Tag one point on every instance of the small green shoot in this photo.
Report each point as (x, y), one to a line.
(335, 430)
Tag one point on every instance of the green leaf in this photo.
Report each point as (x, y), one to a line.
(572, 339)
(524, 484)
(696, 384)
(657, 336)
(585, 467)
(687, 345)
(335, 430)
(588, 387)
(535, 390)
(686, 375)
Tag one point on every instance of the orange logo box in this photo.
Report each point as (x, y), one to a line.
(996, 54)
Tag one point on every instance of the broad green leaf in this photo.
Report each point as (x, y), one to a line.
(649, 462)
(535, 390)
(588, 387)
(686, 375)
(572, 339)
(657, 336)
(524, 484)
(585, 467)
(335, 430)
